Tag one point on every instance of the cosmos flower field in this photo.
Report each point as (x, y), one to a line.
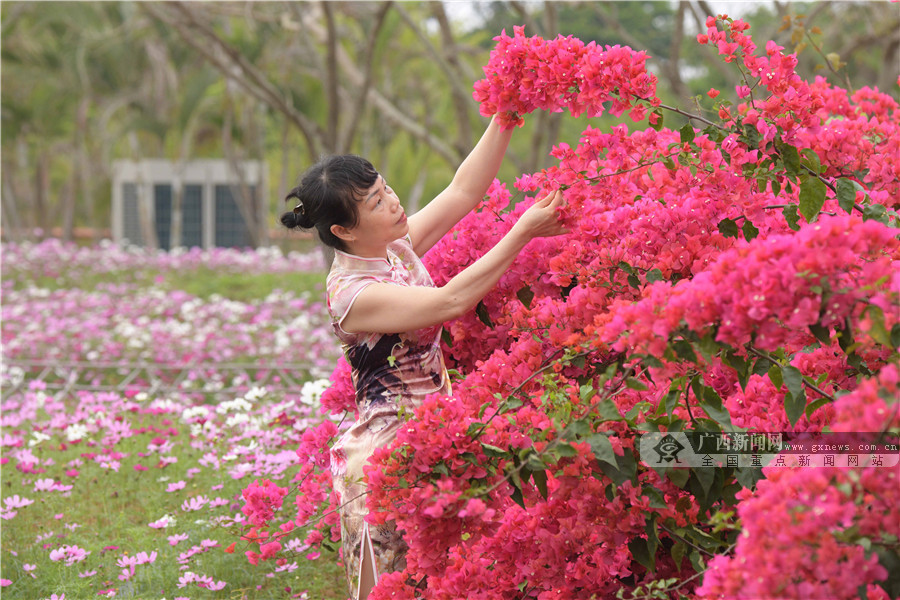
(125, 483)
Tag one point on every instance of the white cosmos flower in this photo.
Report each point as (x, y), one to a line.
(312, 391)
(76, 431)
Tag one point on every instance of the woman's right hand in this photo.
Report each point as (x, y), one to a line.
(542, 218)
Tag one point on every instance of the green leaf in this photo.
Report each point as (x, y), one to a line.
(625, 469)
(815, 405)
(711, 402)
(659, 120)
(517, 495)
(525, 296)
(684, 350)
(775, 376)
(654, 275)
(793, 378)
(748, 476)
(846, 193)
(821, 333)
(626, 267)
(564, 450)
(634, 384)
(587, 392)
(687, 133)
(749, 229)
(575, 430)
(741, 366)
(875, 212)
(490, 450)
(708, 345)
(878, 331)
(483, 316)
(761, 366)
(679, 476)
(655, 496)
(677, 552)
(811, 160)
(640, 550)
(608, 411)
(672, 400)
(705, 477)
(540, 481)
(776, 187)
(795, 399)
(602, 449)
(791, 159)
(791, 216)
(812, 198)
(895, 336)
(728, 228)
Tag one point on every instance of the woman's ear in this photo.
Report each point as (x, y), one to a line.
(342, 233)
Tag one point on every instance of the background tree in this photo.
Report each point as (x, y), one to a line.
(284, 82)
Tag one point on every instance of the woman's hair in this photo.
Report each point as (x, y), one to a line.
(328, 194)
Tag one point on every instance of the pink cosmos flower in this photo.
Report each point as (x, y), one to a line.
(44, 485)
(196, 503)
(126, 561)
(178, 537)
(143, 558)
(178, 485)
(162, 523)
(89, 573)
(71, 554)
(17, 502)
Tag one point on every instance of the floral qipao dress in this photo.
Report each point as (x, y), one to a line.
(389, 371)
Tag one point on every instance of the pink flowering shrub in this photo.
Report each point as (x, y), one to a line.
(820, 521)
(740, 278)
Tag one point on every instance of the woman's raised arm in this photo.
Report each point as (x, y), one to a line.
(390, 308)
(471, 182)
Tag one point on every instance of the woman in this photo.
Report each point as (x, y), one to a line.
(388, 314)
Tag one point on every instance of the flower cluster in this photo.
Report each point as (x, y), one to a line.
(816, 520)
(525, 74)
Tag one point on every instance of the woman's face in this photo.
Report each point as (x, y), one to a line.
(381, 220)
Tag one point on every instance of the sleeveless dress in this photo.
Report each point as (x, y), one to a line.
(390, 372)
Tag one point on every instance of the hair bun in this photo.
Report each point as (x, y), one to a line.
(290, 220)
(293, 220)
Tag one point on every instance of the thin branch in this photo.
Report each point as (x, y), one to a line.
(692, 116)
(808, 384)
(331, 78)
(359, 107)
(458, 90)
(688, 542)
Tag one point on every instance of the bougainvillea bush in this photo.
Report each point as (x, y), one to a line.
(739, 273)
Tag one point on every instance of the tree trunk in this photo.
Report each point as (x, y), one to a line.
(12, 230)
(145, 215)
(41, 188)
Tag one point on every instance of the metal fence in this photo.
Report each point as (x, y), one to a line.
(63, 378)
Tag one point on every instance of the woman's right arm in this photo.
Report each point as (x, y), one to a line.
(389, 308)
